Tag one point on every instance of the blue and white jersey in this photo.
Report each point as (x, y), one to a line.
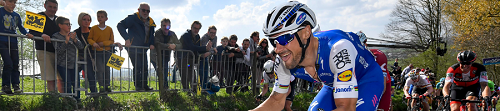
(342, 63)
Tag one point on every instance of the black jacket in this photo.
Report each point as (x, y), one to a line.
(50, 28)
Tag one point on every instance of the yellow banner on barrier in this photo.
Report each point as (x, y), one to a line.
(115, 61)
(35, 21)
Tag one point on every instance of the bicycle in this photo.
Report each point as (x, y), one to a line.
(485, 104)
(418, 105)
(441, 104)
(463, 106)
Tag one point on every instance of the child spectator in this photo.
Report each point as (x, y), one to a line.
(218, 66)
(67, 55)
(8, 46)
(101, 37)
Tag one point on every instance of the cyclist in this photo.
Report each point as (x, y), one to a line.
(351, 77)
(439, 88)
(465, 80)
(381, 59)
(268, 78)
(421, 88)
(493, 93)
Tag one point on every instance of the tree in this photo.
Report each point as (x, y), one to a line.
(421, 24)
(476, 24)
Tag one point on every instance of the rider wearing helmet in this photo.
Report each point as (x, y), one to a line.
(421, 87)
(335, 58)
(268, 78)
(466, 79)
(381, 59)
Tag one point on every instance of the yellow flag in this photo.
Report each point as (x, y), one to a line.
(115, 61)
(35, 21)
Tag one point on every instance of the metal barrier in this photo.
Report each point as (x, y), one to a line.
(138, 72)
(24, 59)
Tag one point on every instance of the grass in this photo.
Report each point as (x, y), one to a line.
(150, 101)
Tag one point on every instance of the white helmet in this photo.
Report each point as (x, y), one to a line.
(291, 16)
(269, 66)
(362, 37)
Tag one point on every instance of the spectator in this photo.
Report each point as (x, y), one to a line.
(219, 60)
(8, 46)
(166, 40)
(190, 40)
(66, 56)
(101, 38)
(405, 72)
(140, 33)
(232, 52)
(45, 49)
(82, 34)
(263, 51)
(243, 66)
(209, 36)
(254, 38)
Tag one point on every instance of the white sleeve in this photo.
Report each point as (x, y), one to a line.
(408, 82)
(342, 63)
(265, 78)
(247, 54)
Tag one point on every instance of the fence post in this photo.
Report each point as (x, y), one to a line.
(159, 70)
(254, 74)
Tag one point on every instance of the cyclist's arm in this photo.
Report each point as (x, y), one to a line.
(264, 90)
(346, 104)
(485, 89)
(275, 102)
(446, 88)
(407, 88)
(429, 90)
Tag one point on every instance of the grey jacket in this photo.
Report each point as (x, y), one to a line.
(62, 49)
(162, 41)
(206, 38)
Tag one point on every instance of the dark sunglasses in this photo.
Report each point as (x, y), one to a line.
(144, 10)
(283, 39)
(466, 63)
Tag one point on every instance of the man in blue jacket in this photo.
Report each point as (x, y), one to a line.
(140, 33)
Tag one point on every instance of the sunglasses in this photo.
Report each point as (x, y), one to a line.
(466, 63)
(285, 38)
(167, 27)
(144, 10)
(68, 24)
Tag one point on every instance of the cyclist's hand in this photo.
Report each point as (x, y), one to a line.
(420, 96)
(408, 97)
(283, 74)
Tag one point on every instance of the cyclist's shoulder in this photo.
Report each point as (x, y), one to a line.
(477, 65)
(454, 67)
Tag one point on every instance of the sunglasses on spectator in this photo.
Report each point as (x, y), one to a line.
(144, 10)
(284, 38)
(167, 27)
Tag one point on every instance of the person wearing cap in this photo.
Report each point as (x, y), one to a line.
(351, 77)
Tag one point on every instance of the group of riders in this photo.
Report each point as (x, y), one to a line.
(465, 81)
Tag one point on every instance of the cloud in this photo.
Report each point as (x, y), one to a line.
(178, 15)
(73, 8)
(205, 17)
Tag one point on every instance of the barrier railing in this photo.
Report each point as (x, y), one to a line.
(31, 60)
(138, 74)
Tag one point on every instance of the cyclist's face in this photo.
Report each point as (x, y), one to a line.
(465, 68)
(291, 52)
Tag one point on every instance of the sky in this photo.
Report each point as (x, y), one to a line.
(240, 17)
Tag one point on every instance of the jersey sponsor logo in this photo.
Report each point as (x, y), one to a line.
(375, 100)
(341, 59)
(361, 47)
(363, 62)
(349, 36)
(345, 76)
(347, 89)
(359, 102)
(302, 17)
(325, 74)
